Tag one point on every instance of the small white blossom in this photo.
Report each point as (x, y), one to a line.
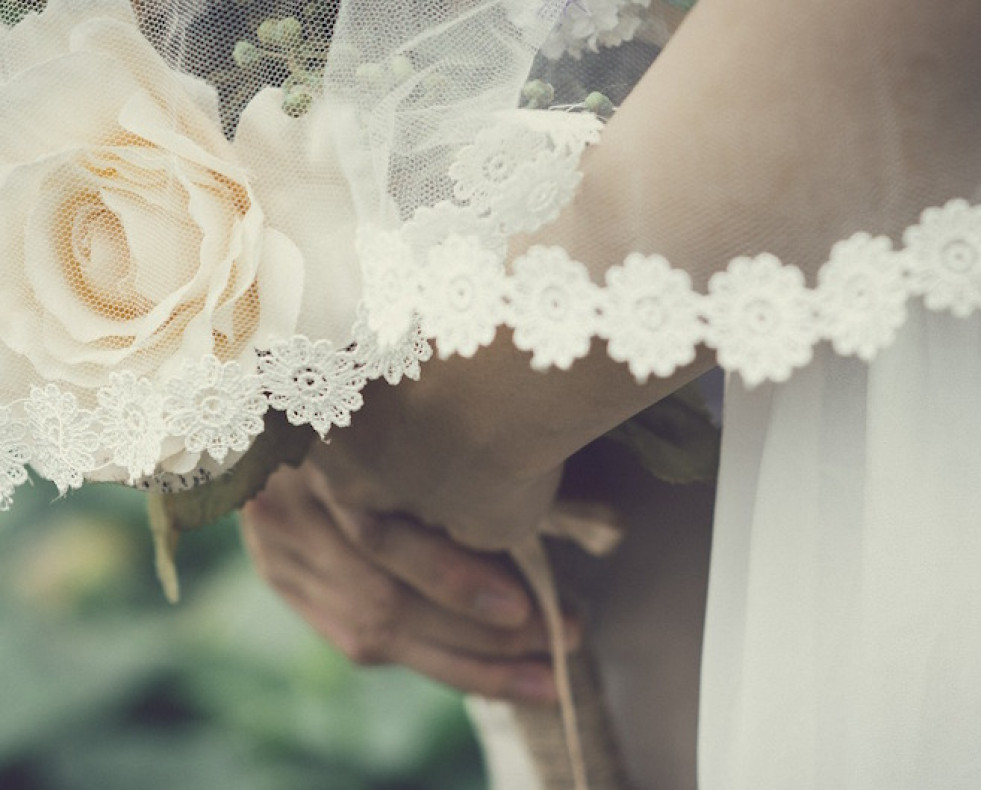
(861, 296)
(63, 444)
(14, 455)
(463, 296)
(391, 288)
(133, 428)
(760, 319)
(481, 169)
(553, 307)
(402, 358)
(312, 382)
(943, 254)
(215, 406)
(650, 316)
(585, 25)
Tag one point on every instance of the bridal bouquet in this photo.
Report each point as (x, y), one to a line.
(164, 287)
(195, 281)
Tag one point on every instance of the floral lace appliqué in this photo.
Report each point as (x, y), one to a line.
(402, 358)
(390, 284)
(650, 316)
(481, 170)
(312, 382)
(133, 426)
(461, 298)
(760, 319)
(862, 296)
(63, 442)
(14, 455)
(215, 406)
(553, 307)
(521, 172)
(944, 257)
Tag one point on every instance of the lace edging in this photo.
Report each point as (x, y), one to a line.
(758, 314)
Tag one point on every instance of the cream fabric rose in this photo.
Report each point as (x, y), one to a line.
(132, 236)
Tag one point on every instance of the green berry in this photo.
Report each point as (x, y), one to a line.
(538, 94)
(290, 30)
(599, 103)
(268, 32)
(246, 54)
(297, 103)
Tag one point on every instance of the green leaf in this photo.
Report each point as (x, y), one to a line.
(675, 439)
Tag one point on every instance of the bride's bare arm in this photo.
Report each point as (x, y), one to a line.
(765, 125)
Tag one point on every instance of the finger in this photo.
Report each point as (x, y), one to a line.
(368, 611)
(477, 586)
(434, 625)
(520, 681)
(525, 680)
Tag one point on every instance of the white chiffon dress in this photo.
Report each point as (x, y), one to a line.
(843, 632)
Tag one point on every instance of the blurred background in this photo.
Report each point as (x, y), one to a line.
(103, 685)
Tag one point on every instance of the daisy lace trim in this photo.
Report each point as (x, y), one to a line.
(759, 319)
(401, 359)
(216, 407)
(553, 307)
(132, 424)
(758, 314)
(63, 443)
(943, 257)
(519, 173)
(461, 297)
(14, 455)
(650, 316)
(312, 382)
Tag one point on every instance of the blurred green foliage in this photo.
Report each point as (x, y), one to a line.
(105, 686)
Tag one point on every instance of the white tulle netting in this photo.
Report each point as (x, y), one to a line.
(214, 208)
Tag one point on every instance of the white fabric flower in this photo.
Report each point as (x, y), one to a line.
(63, 444)
(553, 307)
(861, 296)
(481, 169)
(462, 296)
(14, 455)
(760, 319)
(585, 24)
(312, 382)
(400, 359)
(132, 424)
(943, 253)
(391, 285)
(536, 193)
(650, 316)
(129, 234)
(215, 407)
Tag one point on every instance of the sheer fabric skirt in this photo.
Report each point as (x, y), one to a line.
(843, 635)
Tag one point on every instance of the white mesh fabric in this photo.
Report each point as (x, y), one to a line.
(211, 208)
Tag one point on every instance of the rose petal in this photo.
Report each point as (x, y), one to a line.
(299, 183)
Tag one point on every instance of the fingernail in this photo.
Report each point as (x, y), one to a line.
(500, 606)
(534, 685)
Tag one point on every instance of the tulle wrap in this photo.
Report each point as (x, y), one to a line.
(215, 209)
